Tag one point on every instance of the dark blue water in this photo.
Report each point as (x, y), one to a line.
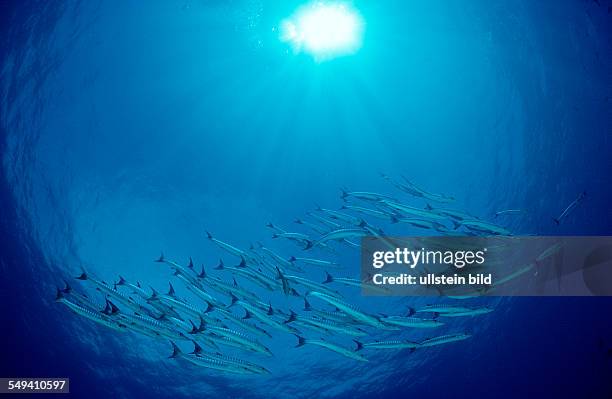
(129, 129)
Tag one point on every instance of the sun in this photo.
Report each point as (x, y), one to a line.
(324, 29)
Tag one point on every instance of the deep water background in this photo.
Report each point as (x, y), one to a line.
(128, 129)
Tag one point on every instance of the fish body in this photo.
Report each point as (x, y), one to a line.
(570, 208)
(348, 309)
(412, 322)
(333, 347)
(396, 344)
(443, 339)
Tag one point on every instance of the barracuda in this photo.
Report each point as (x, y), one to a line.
(224, 287)
(325, 221)
(326, 325)
(480, 226)
(170, 299)
(198, 351)
(249, 274)
(386, 345)
(229, 248)
(140, 322)
(340, 234)
(311, 285)
(350, 219)
(413, 322)
(409, 210)
(439, 308)
(266, 318)
(232, 335)
(208, 362)
(349, 309)
(472, 312)
(316, 228)
(315, 262)
(186, 271)
(113, 293)
(371, 212)
(88, 313)
(365, 196)
(328, 345)
(237, 321)
(351, 282)
(444, 339)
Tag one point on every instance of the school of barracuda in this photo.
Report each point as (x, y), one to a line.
(215, 322)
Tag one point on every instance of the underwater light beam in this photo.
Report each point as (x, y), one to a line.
(325, 29)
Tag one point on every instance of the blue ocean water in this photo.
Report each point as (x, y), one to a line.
(130, 129)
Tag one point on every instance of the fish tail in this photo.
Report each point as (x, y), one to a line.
(190, 265)
(411, 311)
(59, 295)
(298, 221)
(359, 345)
(121, 281)
(210, 236)
(328, 278)
(242, 263)
(220, 265)
(556, 221)
(301, 340)
(307, 306)
(292, 259)
(234, 299)
(309, 244)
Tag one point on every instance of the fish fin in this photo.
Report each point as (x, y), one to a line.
(202, 326)
(307, 306)
(176, 352)
(112, 307)
(171, 291)
(83, 276)
(67, 288)
(161, 258)
(292, 317)
(197, 349)
(328, 278)
(220, 266)
(209, 307)
(301, 340)
(234, 299)
(359, 345)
